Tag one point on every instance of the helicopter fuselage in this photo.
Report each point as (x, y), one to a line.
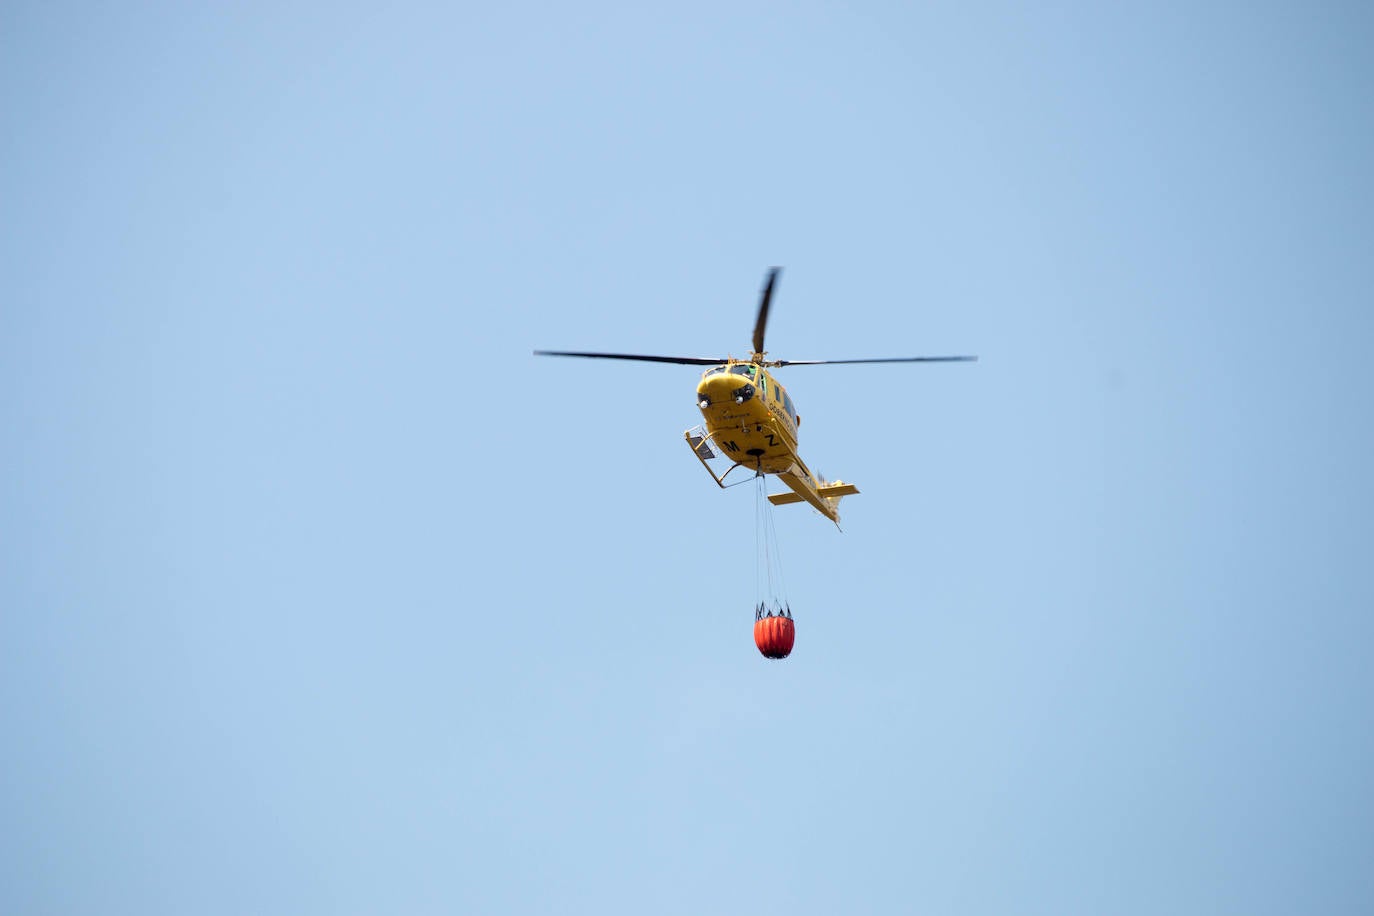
(750, 416)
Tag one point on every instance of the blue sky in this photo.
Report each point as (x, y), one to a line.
(320, 594)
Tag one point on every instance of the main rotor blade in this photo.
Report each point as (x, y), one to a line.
(762, 321)
(680, 360)
(895, 359)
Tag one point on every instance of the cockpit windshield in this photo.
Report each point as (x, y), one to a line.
(715, 371)
(742, 370)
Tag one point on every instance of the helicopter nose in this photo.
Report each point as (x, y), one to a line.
(724, 389)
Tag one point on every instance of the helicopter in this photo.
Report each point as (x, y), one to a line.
(750, 418)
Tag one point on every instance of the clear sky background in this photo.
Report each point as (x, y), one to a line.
(320, 594)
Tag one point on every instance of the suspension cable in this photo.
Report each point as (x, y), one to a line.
(759, 544)
(780, 590)
(768, 554)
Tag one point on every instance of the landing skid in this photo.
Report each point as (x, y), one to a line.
(700, 442)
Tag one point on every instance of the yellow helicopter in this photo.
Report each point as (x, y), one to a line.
(750, 418)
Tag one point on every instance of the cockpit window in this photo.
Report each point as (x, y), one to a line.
(742, 370)
(716, 371)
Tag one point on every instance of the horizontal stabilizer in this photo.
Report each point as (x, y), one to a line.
(829, 491)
